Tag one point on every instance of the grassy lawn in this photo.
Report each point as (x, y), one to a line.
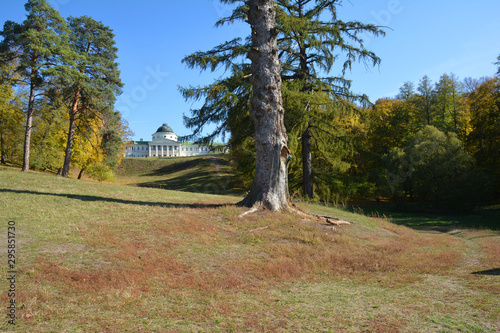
(95, 257)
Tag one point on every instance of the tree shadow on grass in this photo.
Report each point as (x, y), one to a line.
(196, 182)
(493, 271)
(197, 179)
(186, 165)
(487, 217)
(94, 198)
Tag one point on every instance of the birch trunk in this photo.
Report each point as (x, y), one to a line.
(270, 184)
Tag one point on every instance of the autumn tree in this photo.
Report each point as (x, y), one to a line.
(10, 118)
(483, 141)
(40, 46)
(49, 132)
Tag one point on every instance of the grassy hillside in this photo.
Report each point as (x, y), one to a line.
(97, 257)
(210, 174)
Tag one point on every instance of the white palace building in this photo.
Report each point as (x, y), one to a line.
(165, 144)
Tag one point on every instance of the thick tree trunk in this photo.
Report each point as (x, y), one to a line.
(307, 183)
(270, 184)
(29, 124)
(71, 135)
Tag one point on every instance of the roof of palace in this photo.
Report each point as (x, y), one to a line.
(164, 129)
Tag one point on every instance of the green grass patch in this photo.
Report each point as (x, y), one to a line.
(96, 257)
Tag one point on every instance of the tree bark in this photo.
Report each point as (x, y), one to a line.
(2, 148)
(71, 135)
(307, 183)
(270, 186)
(29, 125)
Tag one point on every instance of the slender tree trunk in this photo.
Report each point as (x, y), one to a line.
(307, 183)
(80, 174)
(71, 134)
(2, 148)
(29, 124)
(270, 185)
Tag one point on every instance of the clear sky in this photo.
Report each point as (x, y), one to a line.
(425, 37)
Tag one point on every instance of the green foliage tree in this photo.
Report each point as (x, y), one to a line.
(425, 100)
(40, 46)
(433, 167)
(94, 81)
(406, 91)
(270, 184)
(310, 38)
(448, 102)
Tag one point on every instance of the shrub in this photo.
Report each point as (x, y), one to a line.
(100, 173)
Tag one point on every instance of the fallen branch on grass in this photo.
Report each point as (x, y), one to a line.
(333, 220)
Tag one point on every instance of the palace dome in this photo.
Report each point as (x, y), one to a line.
(164, 129)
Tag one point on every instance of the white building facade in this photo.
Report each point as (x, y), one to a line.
(165, 144)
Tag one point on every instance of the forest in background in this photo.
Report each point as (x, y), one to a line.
(433, 143)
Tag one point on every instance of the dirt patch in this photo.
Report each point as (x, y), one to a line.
(63, 248)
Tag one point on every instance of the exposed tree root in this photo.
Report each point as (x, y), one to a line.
(294, 210)
(251, 210)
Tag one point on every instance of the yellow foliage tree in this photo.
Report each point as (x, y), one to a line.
(483, 140)
(11, 118)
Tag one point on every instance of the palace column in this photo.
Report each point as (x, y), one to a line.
(161, 150)
(149, 150)
(156, 147)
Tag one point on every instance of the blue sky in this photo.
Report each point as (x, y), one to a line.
(426, 37)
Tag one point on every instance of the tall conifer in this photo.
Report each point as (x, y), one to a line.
(94, 81)
(40, 47)
(309, 44)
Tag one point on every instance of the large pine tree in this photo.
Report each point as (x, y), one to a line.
(312, 41)
(270, 185)
(39, 46)
(94, 81)
(308, 45)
